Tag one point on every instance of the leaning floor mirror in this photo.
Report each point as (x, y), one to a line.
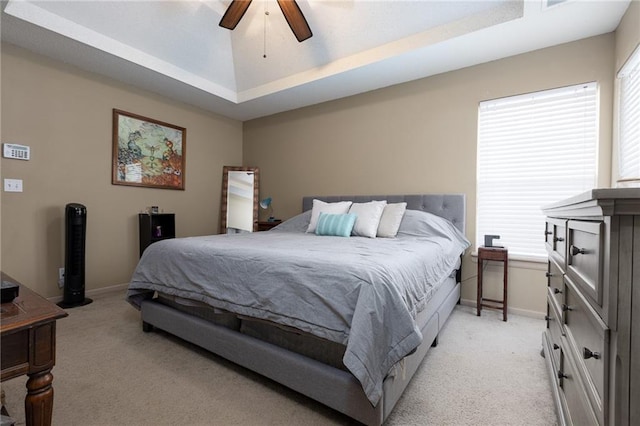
(239, 204)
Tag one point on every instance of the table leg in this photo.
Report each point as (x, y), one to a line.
(3, 411)
(504, 296)
(479, 299)
(38, 403)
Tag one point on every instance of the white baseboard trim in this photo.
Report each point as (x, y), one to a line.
(515, 311)
(95, 292)
(465, 302)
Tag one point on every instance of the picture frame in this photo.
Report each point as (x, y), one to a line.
(147, 152)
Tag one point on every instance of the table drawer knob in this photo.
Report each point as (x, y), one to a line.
(547, 318)
(577, 250)
(586, 354)
(556, 290)
(556, 347)
(557, 239)
(566, 308)
(548, 232)
(561, 375)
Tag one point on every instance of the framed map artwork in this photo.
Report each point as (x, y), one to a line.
(147, 152)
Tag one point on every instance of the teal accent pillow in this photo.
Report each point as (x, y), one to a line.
(337, 225)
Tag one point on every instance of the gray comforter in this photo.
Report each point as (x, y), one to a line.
(360, 292)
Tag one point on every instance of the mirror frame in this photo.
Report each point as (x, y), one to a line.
(225, 194)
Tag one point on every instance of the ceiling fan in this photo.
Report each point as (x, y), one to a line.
(290, 10)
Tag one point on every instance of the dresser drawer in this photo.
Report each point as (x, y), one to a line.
(555, 239)
(588, 338)
(555, 281)
(579, 410)
(584, 257)
(556, 329)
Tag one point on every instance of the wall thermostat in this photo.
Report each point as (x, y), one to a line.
(19, 152)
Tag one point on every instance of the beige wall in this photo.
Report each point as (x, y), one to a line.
(627, 34)
(1, 172)
(627, 38)
(64, 115)
(420, 137)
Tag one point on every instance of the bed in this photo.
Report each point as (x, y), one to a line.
(345, 321)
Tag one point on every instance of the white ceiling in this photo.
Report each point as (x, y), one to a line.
(177, 49)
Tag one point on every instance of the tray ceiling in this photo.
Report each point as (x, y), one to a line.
(177, 49)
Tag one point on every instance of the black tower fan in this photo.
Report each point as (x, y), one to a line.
(75, 233)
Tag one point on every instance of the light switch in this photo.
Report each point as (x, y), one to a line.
(13, 185)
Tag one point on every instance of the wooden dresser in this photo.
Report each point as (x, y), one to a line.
(592, 340)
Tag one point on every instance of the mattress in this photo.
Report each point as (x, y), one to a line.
(290, 338)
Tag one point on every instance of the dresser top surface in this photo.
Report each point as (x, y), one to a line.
(602, 201)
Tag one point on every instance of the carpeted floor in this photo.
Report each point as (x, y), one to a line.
(108, 372)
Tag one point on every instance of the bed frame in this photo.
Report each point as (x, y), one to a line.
(331, 386)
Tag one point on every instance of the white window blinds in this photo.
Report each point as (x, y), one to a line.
(533, 149)
(629, 120)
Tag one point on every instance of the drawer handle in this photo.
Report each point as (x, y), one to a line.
(586, 354)
(566, 308)
(577, 250)
(548, 232)
(561, 375)
(548, 274)
(557, 239)
(556, 347)
(556, 290)
(547, 318)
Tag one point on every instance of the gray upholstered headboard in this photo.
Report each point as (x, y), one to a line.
(449, 206)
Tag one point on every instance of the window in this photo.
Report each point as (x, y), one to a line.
(629, 120)
(533, 149)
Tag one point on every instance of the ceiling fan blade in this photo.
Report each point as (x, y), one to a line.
(234, 13)
(295, 19)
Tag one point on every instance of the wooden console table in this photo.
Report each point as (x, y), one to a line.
(493, 253)
(28, 333)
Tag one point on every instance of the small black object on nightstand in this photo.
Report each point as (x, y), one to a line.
(267, 225)
(488, 240)
(9, 291)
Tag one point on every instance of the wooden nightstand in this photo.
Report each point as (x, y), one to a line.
(267, 225)
(502, 255)
(155, 227)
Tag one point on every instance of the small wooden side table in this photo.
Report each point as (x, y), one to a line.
(268, 224)
(499, 254)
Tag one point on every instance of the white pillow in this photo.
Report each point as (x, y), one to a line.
(341, 207)
(369, 215)
(391, 219)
